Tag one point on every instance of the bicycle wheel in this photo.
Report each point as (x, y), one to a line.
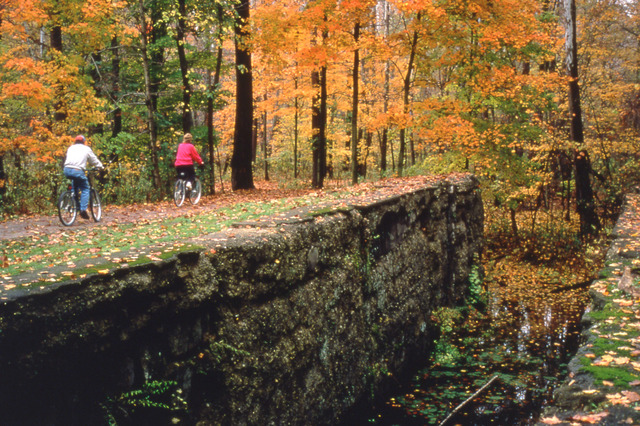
(196, 192)
(95, 205)
(179, 192)
(67, 209)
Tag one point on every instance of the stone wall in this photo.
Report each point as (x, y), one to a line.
(602, 384)
(291, 320)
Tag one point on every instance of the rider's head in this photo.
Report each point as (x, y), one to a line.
(80, 139)
(187, 137)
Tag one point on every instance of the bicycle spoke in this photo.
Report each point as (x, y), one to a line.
(67, 211)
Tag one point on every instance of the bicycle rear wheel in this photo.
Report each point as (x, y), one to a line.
(179, 192)
(196, 192)
(67, 208)
(95, 205)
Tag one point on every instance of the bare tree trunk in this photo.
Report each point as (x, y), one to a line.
(213, 87)
(319, 125)
(387, 79)
(3, 179)
(405, 95)
(295, 132)
(151, 123)
(115, 65)
(241, 160)
(265, 146)
(59, 113)
(585, 204)
(354, 106)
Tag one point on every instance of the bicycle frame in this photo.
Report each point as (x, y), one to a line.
(68, 210)
(180, 190)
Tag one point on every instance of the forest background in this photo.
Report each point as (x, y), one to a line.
(539, 98)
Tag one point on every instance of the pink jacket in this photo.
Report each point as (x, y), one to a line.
(186, 155)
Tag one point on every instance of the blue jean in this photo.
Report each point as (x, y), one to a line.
(80, 182)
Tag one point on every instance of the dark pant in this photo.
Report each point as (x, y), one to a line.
(186, 172)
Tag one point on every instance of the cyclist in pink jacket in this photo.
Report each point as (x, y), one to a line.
(185, 157)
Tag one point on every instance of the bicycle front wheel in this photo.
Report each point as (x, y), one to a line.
(95, 205)
(196, 192)
(179, 192)
(67, 209)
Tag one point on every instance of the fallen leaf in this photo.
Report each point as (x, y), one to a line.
(631, 396)
(590, 418)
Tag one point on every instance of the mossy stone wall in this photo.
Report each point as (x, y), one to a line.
(292, 320)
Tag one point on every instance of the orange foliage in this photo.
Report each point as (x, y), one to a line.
(35, 80)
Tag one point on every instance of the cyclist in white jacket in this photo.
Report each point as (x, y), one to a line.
(75, 163)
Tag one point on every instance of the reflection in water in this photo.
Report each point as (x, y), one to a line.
(525, 337)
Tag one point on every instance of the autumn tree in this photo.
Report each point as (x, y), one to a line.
(319, 100)
(150, 90)
(181, 30)
(241, 161)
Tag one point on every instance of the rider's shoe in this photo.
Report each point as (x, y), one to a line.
(189, 186)
(84, 214)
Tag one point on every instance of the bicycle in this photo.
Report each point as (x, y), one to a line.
(181, 190)
(69, 203)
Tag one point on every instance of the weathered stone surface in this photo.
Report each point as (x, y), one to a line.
(286, 322)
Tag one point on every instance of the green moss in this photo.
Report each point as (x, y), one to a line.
(604, 345)
(620, 376)
(608, 312)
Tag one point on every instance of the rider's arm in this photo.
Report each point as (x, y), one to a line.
(93, 160)
(196, 156)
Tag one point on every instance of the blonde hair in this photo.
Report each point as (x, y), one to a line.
(187, 137)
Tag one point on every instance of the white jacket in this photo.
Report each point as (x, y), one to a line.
(77, 156)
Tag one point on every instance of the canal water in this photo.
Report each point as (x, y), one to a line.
(516, 350)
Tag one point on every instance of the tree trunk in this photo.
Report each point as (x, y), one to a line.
(406, 87)
(115, 65)
(316, 131)
(3, 179)
(149, 101)
(59, 108)
(354, 106)
(187, 116)
(319, 123)
(265, 146)
(295, 132)
(585, 204)
(323, 129)
(387, 79)
(241, 171)
(213, 87)
(318, 126)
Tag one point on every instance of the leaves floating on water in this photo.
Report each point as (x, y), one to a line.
(537, 295)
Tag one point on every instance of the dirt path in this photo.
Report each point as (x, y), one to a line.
(26, 226)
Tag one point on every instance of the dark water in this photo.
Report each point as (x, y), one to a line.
(524, 339)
